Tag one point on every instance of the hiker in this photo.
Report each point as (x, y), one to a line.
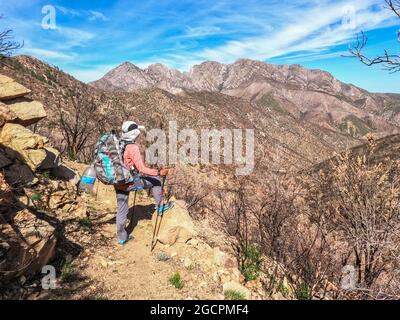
(148, 179)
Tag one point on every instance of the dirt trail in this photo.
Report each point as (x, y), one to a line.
(133, 272)
(110, 271)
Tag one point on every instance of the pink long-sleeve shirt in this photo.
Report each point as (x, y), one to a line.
(133, 158)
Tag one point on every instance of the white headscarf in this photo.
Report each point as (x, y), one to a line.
(130, 131)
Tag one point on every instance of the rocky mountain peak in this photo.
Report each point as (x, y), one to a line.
(303, 93)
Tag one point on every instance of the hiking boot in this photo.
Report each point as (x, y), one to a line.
(164, 208)
(124, 242)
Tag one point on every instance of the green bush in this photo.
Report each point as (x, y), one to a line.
(45, 175)
(251, 267)
(302, 292)
(68, 273)
(176, 281)
(85, 223)
(234, 295)
(282, 288)
(37, 196)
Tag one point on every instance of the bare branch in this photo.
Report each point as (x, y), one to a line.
(7, 44)
(390, 62)
(394, 6)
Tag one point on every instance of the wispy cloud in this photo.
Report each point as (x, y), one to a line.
(91, 15)
(88, 39)
(68, 11)
(318, 28)
(96, 15)
(73, 37)
(49, 54)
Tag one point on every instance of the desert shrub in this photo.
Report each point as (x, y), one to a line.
(251, 266)
(186, 185)
(176, 281)
(358, 205)
(234, 295)
(85, 223)
(233, 213)
(37, 197)
(282, 288)
(302, 292)
(68, 273)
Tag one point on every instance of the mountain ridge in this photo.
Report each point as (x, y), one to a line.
(296, 139)
(310, 94)
(378, 114)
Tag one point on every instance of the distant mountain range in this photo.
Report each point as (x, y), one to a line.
(312, 95)
(280, 137)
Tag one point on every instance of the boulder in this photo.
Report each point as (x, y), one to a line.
(176, 226)
(65, 173)
(4, 160)
(6, 115)
(27, 112)
(224, 259)
(27, 146)
(30, 244)
(59, 199)
(52, 159)
(19, 174)
(9, 89)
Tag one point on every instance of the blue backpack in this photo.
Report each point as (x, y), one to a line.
(108, 161)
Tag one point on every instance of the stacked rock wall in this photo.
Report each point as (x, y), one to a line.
(27, 241)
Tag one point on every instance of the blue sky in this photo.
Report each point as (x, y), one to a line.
(92, 37)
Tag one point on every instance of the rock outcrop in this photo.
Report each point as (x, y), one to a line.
(27, 112)
(27, 241)
(9, 89)
(17, 141)
(174, 228)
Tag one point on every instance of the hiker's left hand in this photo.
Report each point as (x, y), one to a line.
(164, 172)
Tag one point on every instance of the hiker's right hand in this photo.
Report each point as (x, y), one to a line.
(164, 172)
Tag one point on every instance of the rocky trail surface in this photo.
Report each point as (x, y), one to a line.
(105, 270)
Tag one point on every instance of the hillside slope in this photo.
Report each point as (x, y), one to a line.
(296, 142)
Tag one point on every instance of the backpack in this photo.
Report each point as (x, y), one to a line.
(108, 161)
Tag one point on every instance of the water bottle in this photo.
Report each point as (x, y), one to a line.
(88, 179)
(138, 183)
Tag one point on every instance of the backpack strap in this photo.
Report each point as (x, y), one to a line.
(123, 145)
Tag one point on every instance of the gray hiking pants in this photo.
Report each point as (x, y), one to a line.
(153, 183)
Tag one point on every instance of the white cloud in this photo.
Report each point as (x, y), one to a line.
(202, 31)
(46, 55)
(74, 37)
(314, 29)
(68, 11)
(96, 15)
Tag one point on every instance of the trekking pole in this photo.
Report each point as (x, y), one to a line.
(157, 229)
(97, 189)
(134, 203)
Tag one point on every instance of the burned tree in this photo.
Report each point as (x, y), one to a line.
(79, 121)
(391, 62)
(7, 44)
